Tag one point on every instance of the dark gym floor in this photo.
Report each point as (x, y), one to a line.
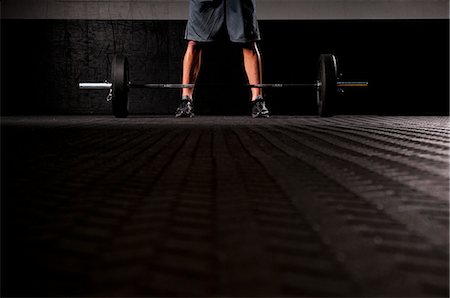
(225, 206)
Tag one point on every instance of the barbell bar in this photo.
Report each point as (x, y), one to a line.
(327, 85)
(108, 85)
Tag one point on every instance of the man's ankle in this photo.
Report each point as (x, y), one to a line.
(258, 98)
(186, 97)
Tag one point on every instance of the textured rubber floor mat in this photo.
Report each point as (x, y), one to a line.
(225, 206)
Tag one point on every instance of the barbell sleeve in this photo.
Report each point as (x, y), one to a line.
(352, 84)
(95, 86)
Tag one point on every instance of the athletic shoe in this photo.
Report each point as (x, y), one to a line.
(186, 108)
(259, 109)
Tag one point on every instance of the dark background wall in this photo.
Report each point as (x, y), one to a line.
(401, 47)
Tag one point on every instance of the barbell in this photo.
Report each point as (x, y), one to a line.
(327, 85)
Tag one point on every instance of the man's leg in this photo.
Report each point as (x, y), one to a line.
(253, 68)
(191, 66)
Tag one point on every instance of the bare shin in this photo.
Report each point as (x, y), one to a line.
(253, 67)
(191, 66)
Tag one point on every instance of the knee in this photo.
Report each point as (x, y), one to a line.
(250, 49)
(193, 47)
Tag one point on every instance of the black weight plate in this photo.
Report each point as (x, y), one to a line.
(327, 91)
(120, 78)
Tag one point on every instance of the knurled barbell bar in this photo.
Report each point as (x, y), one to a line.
(327, 85)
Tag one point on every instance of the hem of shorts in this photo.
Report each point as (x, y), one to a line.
(231, 40)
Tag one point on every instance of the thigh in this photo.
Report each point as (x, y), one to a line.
(206, 17)
(242, 23)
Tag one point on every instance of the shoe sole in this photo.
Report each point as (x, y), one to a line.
(261, 116)
(185, 116)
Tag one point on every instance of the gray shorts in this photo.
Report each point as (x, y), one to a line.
(208, 18)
